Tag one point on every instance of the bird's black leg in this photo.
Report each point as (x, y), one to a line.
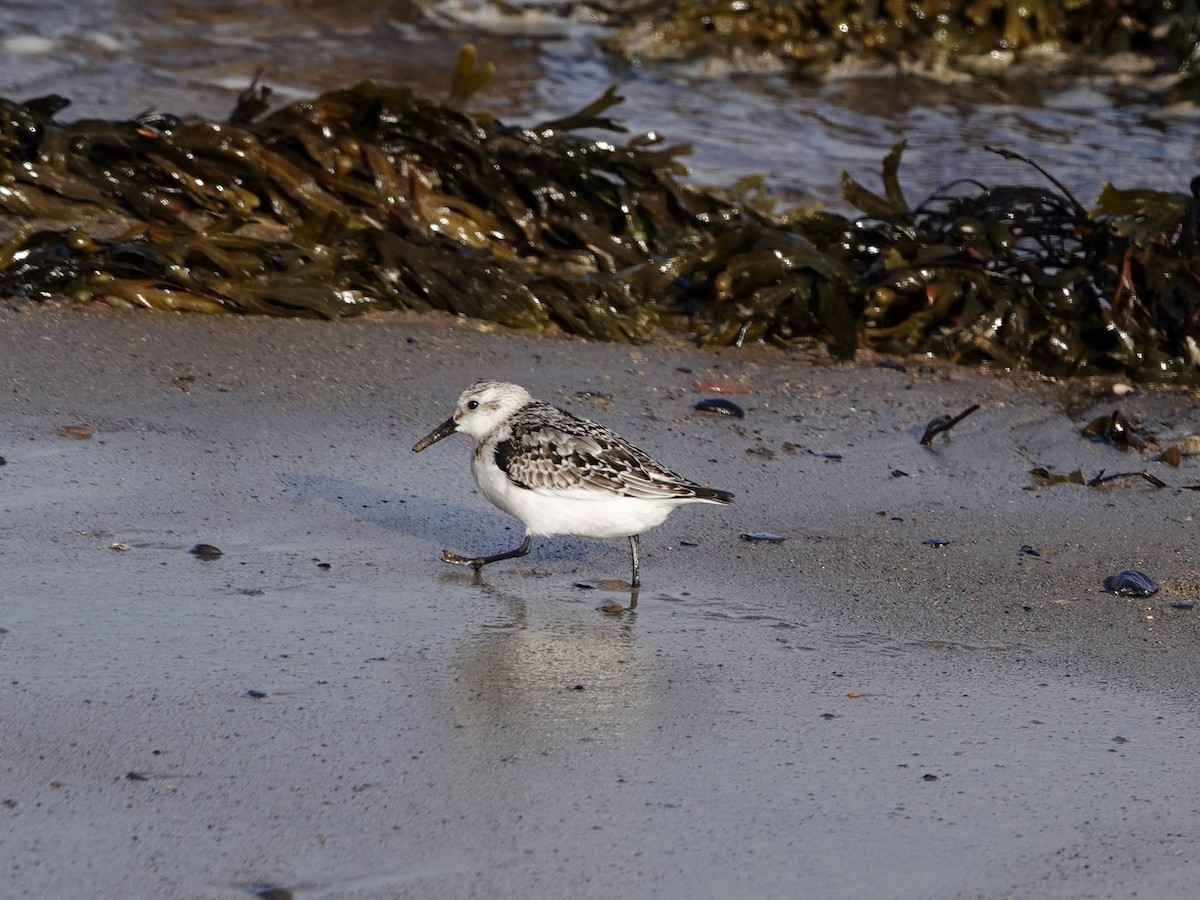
(634, 546)
(478, 562)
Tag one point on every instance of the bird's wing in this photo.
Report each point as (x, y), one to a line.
(587, 461)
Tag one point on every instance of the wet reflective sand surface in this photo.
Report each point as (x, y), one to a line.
(892, 701)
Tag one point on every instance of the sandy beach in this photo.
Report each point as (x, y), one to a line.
(895, 701)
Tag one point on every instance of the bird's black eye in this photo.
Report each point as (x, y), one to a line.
(472, 404)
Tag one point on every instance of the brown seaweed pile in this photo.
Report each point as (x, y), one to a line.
(372, 197)
(365, 197)
(1023, 276)
(929, 34)
(1026, 276)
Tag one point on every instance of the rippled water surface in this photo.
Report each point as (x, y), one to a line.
(115, 58)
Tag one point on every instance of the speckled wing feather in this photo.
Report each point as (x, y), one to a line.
(549, 450)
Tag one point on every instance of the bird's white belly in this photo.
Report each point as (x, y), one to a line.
(586, 513)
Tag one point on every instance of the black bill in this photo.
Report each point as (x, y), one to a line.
(446, 429)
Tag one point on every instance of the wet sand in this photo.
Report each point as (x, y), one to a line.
(329, 710)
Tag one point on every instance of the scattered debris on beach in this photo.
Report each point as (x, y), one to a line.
(1131, 583)
(1115, 429)
(1044, 477)
(1102, 479)
(720, 406)
(763, 537)
(943, 424)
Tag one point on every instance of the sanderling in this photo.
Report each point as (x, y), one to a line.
(560, 474)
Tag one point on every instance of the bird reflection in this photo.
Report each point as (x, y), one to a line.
(540, 675)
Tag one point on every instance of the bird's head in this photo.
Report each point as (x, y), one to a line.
(481, 407)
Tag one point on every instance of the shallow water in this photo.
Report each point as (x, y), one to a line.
(115, 58)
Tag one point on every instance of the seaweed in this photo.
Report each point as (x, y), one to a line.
(932, 35)
(364, 197)
(1025, 276)
(372, 197)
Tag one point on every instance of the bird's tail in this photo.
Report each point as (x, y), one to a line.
(712, 495)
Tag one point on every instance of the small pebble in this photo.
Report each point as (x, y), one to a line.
(256, 695)
(205, 551)
(1030, 551)
(720, 406)
(935, 542)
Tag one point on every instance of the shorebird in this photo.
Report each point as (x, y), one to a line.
(561, 474)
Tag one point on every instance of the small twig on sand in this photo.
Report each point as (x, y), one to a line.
(1101, 478)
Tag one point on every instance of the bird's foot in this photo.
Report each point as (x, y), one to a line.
(449, 556)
